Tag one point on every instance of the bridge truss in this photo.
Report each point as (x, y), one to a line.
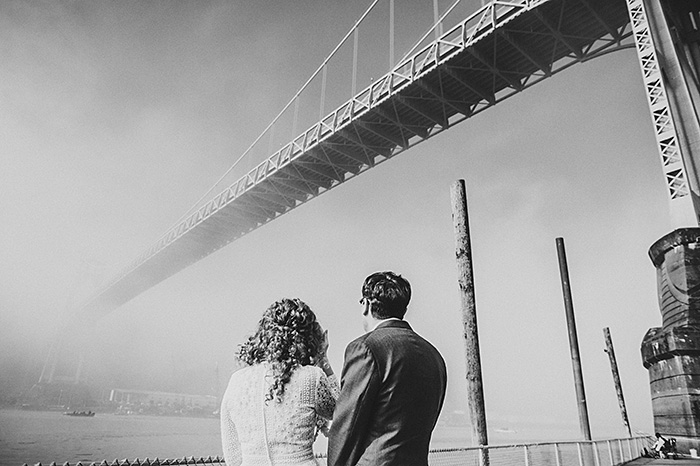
(655, 84)
(500, 50)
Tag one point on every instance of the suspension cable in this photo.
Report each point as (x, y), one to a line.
(279, 115)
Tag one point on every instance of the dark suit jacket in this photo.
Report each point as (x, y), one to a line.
(392, 389)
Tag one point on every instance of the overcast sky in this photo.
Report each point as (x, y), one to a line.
(116, 116)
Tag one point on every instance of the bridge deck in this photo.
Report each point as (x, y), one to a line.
(495, 53)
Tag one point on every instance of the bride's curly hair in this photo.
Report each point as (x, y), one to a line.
(288, 336)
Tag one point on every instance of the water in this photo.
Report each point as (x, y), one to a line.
(44, 436)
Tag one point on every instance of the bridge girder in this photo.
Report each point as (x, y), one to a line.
(498, 51)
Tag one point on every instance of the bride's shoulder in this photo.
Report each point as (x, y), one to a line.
(244, 372)
(311, 372)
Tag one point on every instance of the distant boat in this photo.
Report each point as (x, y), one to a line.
(505, 430)
(80, 413)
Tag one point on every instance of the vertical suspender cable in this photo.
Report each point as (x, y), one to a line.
(391, 34)
(436, 20)
(355, 40)
(296, 116)
(323, 90)
(271, 144)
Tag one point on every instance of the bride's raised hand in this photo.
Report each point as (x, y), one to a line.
(322, 359)
(323, 350)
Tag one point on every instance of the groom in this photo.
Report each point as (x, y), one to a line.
(393, 384)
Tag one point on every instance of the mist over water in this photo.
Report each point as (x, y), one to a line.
(116, 116)
(41, 436)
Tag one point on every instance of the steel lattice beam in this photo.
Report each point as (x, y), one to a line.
(500, 50)
(664, 127)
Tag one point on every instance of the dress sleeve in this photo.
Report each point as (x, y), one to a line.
(326, 395)
(229, 436)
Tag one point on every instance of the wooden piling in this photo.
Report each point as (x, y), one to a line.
(616, 379)
(573, 341)
(475, 388)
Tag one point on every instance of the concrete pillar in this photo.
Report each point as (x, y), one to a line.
(671, 353)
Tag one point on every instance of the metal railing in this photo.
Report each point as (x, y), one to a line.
(145, 462)
(609, 452)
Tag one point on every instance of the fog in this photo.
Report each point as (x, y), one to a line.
(116, 116)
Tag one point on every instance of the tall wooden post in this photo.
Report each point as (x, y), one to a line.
(573, 341)
(463, 253)
(616, 378)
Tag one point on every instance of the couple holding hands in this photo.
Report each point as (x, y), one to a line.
(383, 413)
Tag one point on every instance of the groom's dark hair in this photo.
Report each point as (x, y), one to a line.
(387, 293)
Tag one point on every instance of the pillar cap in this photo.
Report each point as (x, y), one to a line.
(658, 250)
(660, 344)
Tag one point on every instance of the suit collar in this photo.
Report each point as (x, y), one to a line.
(393, 323)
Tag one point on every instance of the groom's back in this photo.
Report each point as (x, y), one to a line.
(410, 398)
(407, 399)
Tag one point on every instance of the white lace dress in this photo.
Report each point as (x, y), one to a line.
(256, 433)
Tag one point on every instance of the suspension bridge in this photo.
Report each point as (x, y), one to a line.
(458, 69)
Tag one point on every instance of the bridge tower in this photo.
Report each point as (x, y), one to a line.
(667, 36)
(63, 380)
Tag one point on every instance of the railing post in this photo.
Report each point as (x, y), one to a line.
(557, 454)
(527, 460)
(629, 449)
(596, 455)
(622, 452)
(580, 454)
(610, 453)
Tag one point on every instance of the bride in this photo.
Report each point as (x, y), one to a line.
(274, 407)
